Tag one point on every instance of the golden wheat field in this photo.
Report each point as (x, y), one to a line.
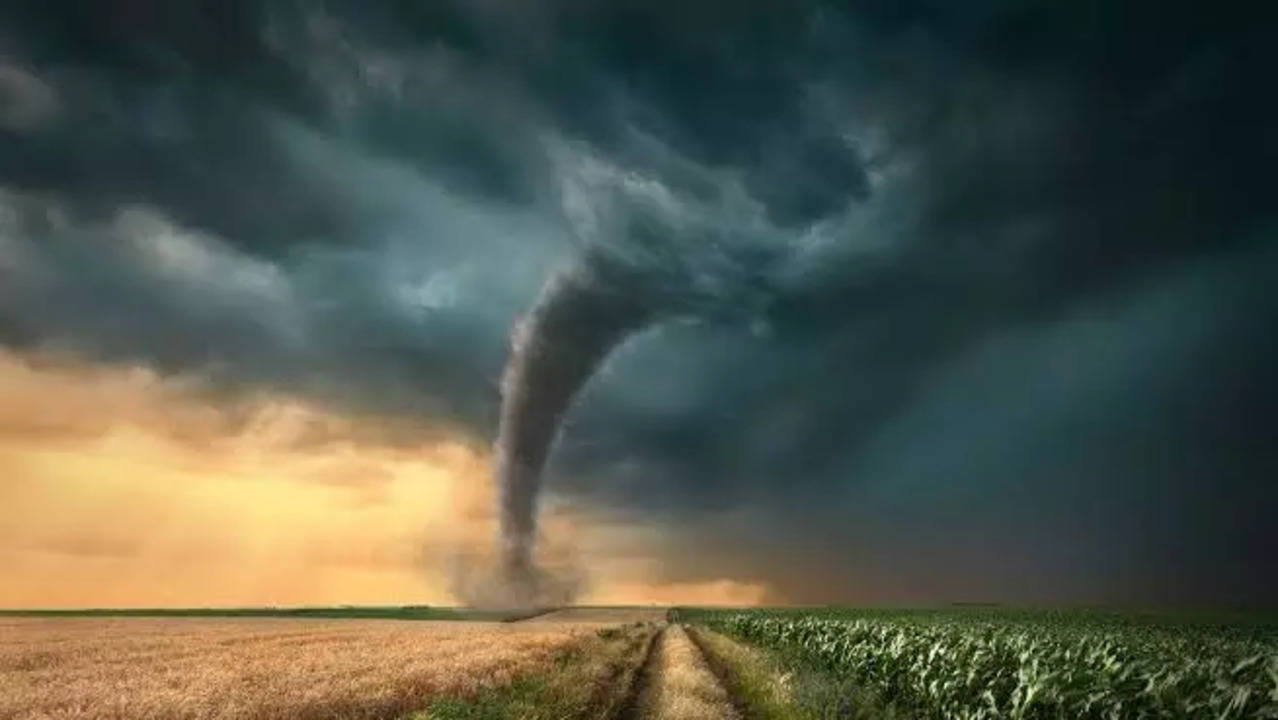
(187, 668)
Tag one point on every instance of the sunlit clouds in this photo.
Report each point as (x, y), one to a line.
(123, 488)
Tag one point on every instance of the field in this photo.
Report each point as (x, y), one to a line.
(642, 664)
(978, 664)
(367, 612)
(258, 668)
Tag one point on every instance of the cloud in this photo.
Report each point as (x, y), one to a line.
(1056, 462)
(117, 477)
(133, 477)
(27, 101)
(918, 255)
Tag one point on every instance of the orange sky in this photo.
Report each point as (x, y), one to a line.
(122, 488)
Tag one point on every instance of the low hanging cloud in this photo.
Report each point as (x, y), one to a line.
(270, 501)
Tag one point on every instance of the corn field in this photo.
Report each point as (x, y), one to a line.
(1060, 666)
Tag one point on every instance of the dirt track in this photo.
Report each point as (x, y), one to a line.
(677, 683)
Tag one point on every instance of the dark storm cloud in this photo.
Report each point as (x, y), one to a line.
(1112, 455)
(952, 281)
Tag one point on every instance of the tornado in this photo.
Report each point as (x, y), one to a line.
(580, 315)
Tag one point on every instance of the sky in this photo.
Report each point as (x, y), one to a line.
(960, 302)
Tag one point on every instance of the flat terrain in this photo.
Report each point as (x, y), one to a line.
(598, 663)
(995, 663)
(187, 668)
(600, 615)
(643, 663)
(368, 612)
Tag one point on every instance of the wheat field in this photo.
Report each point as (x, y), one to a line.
(251, 669)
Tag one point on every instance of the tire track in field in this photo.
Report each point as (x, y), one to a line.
(629, 708)
(615, 691)
(721, 672)
(677, 682)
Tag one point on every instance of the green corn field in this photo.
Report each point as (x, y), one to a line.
(993, 665)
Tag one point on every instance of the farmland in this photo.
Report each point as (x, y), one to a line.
(366, 612)
(634, 664)
(259, 668)
(992, 664)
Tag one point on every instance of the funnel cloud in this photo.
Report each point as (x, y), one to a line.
(577, 319)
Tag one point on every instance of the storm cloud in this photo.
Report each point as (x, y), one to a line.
(965, 301)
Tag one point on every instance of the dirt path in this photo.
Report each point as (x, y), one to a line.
(678, 684)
